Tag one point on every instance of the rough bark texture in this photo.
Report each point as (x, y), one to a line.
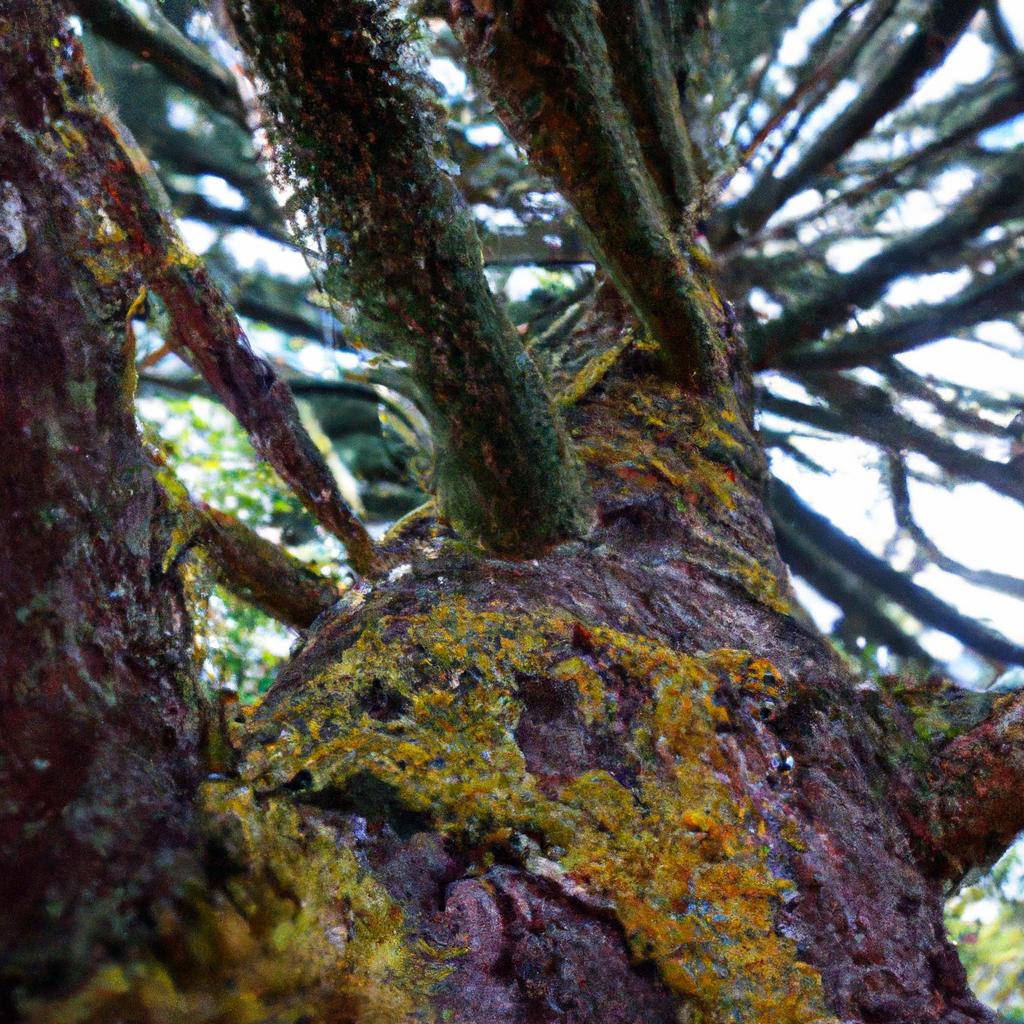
(100, 721)
(621, 782)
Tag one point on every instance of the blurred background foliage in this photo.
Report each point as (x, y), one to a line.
(875, 265)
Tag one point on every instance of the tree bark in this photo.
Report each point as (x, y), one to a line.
(622, 781)
(101, 721)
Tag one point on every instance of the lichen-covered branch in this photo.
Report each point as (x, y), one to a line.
(262, 573)
(563, 77)
(204, 327)
(362, 140)
(641, 59)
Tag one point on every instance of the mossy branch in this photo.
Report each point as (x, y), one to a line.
(262, 573)
(204, 328)
(361, 138)
(587, 88)
(973, 808)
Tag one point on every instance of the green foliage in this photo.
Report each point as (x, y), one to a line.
(986, 921)
(207, 450)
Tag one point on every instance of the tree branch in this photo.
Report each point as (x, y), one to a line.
(908, 383)
(362, 140)
(204, 326)
(1005, 103)
(821, 71)
(867, 413)
(937, 32)
(990, 203)
(973, 809)
(900, 493)
(860, 603)
(1004, 38)
(557, 75)
(261, 573)
(926, 607)
(987, 299)
(154, 39)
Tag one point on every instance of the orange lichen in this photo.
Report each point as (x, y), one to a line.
(678, 855)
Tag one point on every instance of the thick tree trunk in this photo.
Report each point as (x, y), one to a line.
(100, 718)
(620, 782)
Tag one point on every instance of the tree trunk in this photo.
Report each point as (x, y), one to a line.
(623, 781)
(100, 716)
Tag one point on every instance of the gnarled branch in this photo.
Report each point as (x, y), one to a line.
(204, 326)
(363, 142)
(562, 76)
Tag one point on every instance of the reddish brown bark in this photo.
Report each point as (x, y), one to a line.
(100, 721)
(810, 786)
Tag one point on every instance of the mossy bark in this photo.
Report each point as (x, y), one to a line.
(100, 717)
(622, 781)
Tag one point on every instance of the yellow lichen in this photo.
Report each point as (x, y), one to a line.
(299, 931)
(679, 855)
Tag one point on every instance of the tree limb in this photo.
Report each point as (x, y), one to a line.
(261, 573)
(987, 298)
(204, 326)
(973, 809)
(1006, 102)
(926, 607)
(1004, 38)
(899, 491)
(991, 203)
(821, 71)
(869, 415)
(556, 73)
(925, 49)
(156, 40)
(861, 604)
(362, 140)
